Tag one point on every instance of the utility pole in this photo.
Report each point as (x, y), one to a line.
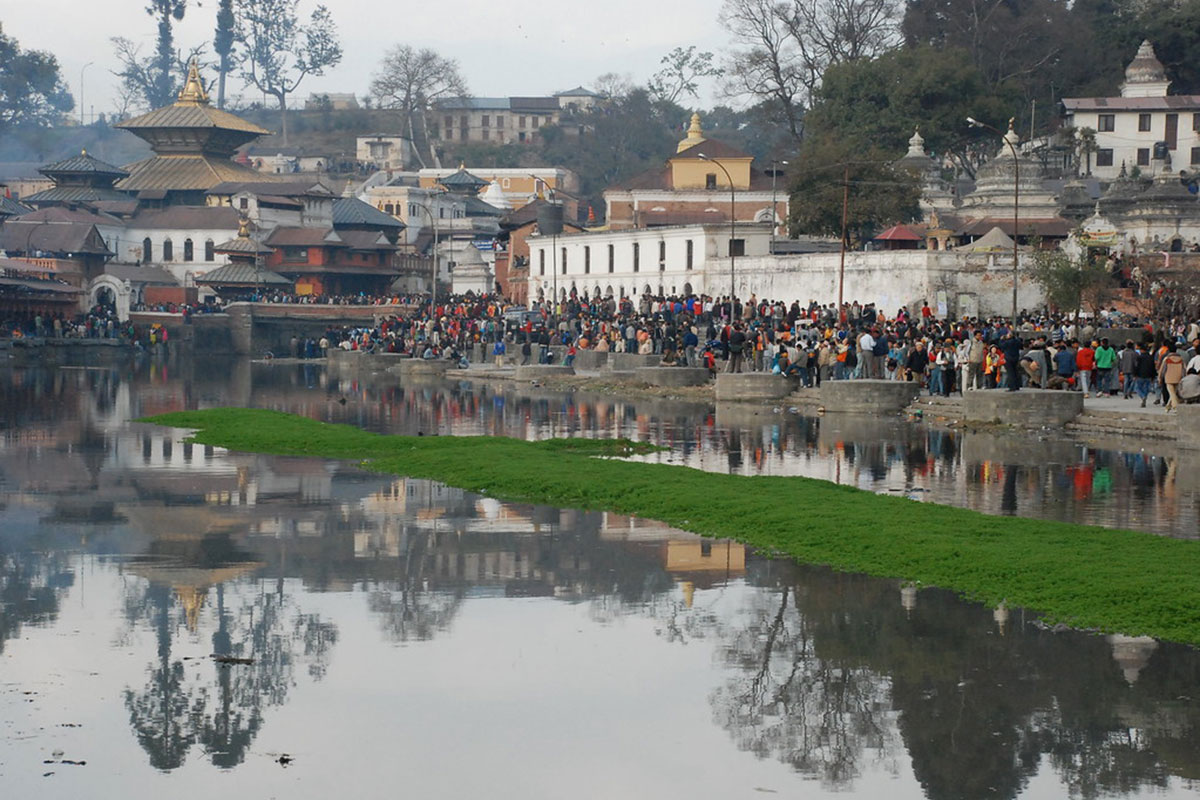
(842, 261)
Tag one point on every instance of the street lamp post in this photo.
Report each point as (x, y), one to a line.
(81, 71)
(1009, 139)
(774, 174)
(428, 209)
(732, 233)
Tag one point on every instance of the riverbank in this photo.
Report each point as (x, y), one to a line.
(1087, 577)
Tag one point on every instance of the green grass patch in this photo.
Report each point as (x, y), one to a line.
(1085, 576)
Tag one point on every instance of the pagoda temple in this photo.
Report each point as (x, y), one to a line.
(193, 145)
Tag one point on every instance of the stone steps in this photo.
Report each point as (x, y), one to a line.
(1116, 423)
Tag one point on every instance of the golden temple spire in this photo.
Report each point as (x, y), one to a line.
(695, 135)
(193, 89)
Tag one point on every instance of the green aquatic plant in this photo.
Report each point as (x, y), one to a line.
(1084, 576)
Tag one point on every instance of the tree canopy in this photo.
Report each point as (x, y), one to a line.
(32, 91)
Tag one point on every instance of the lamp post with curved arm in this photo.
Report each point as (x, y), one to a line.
(1004, 137)
(732, 232)
(433, 282)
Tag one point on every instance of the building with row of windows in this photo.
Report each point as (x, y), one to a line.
(1129, 128)
(506, 120)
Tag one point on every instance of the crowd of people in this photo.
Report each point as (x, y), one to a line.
(815, 342)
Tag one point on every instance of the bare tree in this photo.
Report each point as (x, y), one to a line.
(613, 85)
(765, 65)
(141, 79)
(279, 52)
(412, 81)
(785, 47)
(682, 68)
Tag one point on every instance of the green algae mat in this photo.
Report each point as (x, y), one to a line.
(1083, 576)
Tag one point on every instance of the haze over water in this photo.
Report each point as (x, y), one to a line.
(407, 636)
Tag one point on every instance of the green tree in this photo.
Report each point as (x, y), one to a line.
(1070, 283)
(163, 83)
(830, 169)
(279, 52)
(32, 92)
(223, 40)
(880, 102)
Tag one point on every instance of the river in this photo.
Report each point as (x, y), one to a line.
(378, 636)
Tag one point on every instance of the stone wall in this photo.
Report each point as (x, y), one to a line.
(1026, 408)
(1188, 417)
(868, 396)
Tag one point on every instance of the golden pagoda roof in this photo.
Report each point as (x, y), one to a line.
(192, 110)
(186, 171)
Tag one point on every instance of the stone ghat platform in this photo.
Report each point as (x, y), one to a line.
(752, 387)
(868, 396)
(1027, 407)
(536, 371)
(672, 376)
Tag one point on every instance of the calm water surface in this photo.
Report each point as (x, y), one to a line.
(402, 637)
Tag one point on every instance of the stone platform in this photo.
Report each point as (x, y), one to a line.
(1188, 419)
(672, 376)
(628, 362)
(754, 386)
(535, 371)
(1027, 408)
(420, 367)
(591, 359)
(868, 396)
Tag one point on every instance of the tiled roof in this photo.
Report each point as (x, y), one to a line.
(366, 240)
(51, 237)
(242, 275)
(479, 208)
(73, 215)
(33, 284)
(190, 172)
(1171, 102)
(264, 184)
(82, 164)
(536, 104)
(243, 245)
(140, 274)
(352, 211)
(191, 115)
(188, 218)
(11, 208)
(75, 194)
(1038, 226)
(712, 148)
(289, 236)
(578, 91)
(525, 214)
(462, 180)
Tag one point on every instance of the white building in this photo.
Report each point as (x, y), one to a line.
(1128, 127)
(384, 151)
(680, 260)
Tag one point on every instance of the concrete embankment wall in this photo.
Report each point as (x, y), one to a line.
(64, 352)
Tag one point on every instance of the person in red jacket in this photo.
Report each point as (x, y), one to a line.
(1085, 362)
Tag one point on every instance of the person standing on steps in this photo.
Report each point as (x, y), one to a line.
(1010, 347)
(1143, 372)
(1170, 373)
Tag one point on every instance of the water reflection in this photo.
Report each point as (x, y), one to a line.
(308, 572)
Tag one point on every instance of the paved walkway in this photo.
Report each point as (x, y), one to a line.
(1133, 405)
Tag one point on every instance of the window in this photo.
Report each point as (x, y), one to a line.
(662, 256)
(520, 122)
(737, 247)
(636, 256)
(1143, 122)
(1143, 157)
(209, 253)
(587, 260)
(612, 259)
(521, 136)
(449, 122)
(147, 249)
(295, 254)
(563, 252)
(690, 253)
(1196, 122)
(1105, 122)
(243, 203)
(537, 121)
(1171, 131)
(388, 208)
(1104, 157)
(484, 133)
(464, 121)
(710, 180)
(1195, 156)
(168, 250)
(449, 134)
(499, 122)
(505, 183)
(541, 262)
(487, 121)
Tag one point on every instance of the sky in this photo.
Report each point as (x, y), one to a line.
(516, 47)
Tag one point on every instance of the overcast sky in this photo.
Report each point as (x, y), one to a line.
(517, 47)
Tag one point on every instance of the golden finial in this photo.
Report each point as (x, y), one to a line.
(243, 227)
(83, 152)
(193, 88)
(1012, 121)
